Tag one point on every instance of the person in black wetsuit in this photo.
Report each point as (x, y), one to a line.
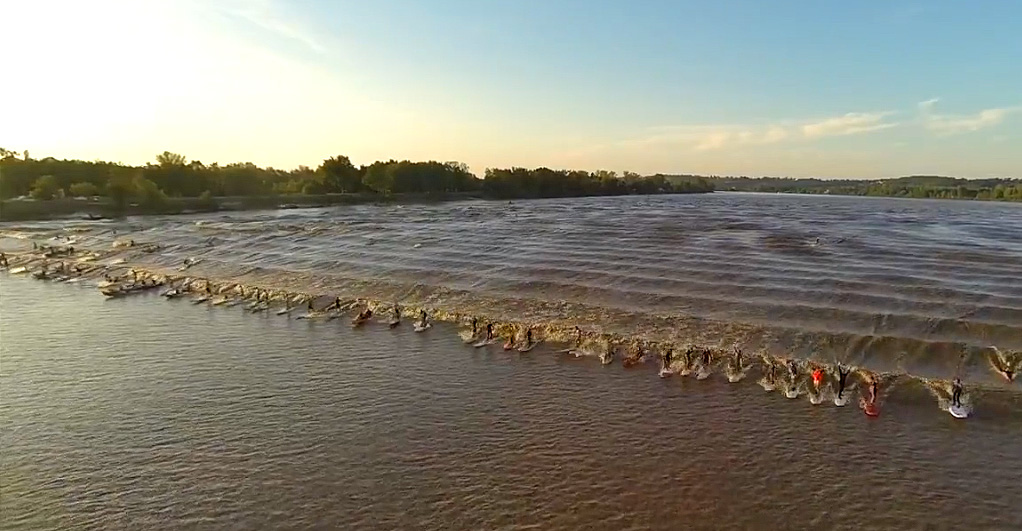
(528, 338)
(475, 326)
(793, 369)
(956, 393)
(842, 378)
(489, 331)
(738, 358)
(668, 357)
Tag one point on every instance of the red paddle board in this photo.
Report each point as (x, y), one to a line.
(871, 410)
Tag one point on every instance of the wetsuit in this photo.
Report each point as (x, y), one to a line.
(842, 377)
(667, 358)
(738, 359)
(956, 393)
(528, 338)
(706, 358)
(475, 323)
(489, 332)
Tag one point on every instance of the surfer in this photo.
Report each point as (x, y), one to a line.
(956, 393)
(668, 358)
(3, 260)
(688, 356)
(397, 319)
(423, 319)
(738, 358)
(874, 389)
(578, 337)
(793, 369)
(706, 358)
(817, 377)
(842, 377)
(363, 315)
(528, 338)
(489, 331)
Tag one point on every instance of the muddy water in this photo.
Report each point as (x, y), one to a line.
(142, 413)
(139, 412)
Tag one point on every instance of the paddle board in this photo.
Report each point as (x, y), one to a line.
(839, 402)
(791, 393)
(483, 343)
(527, 348)
(871, 410)
(665, 372)
(419, 327)
(958, 412)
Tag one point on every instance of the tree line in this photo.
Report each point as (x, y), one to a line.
(172, 175)
(914, 186)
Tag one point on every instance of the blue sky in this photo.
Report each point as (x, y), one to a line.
(799, 88)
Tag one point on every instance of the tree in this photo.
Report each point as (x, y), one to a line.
(45, 188)
(149, 194)
(167, 159)
(83, 190)
(338, 174)
(379, 177)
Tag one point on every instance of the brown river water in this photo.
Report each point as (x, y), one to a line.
(139, 412)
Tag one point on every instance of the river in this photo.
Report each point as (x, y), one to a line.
(138, 412)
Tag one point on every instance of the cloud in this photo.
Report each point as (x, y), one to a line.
(266, 15)
(949, 124)
(848, 124)
(708, 137)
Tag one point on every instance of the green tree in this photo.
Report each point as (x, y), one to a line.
(83, 190)
(149, 194)
(168, 159)
(338, 174)
(45, 187)
(379, 177)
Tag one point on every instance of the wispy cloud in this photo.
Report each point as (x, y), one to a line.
(268, 16)
(709, 137)
(849, 124)
(949, 124)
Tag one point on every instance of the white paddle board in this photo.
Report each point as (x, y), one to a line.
(958, 412)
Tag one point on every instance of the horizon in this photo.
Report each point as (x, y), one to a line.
(794, 89)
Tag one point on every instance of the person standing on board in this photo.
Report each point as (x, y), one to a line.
(956, 393)
(842, 378)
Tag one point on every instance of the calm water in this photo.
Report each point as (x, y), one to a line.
(140, 413)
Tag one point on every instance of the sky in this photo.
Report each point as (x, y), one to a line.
(811, 88)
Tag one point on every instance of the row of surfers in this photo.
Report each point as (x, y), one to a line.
(481, 336)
